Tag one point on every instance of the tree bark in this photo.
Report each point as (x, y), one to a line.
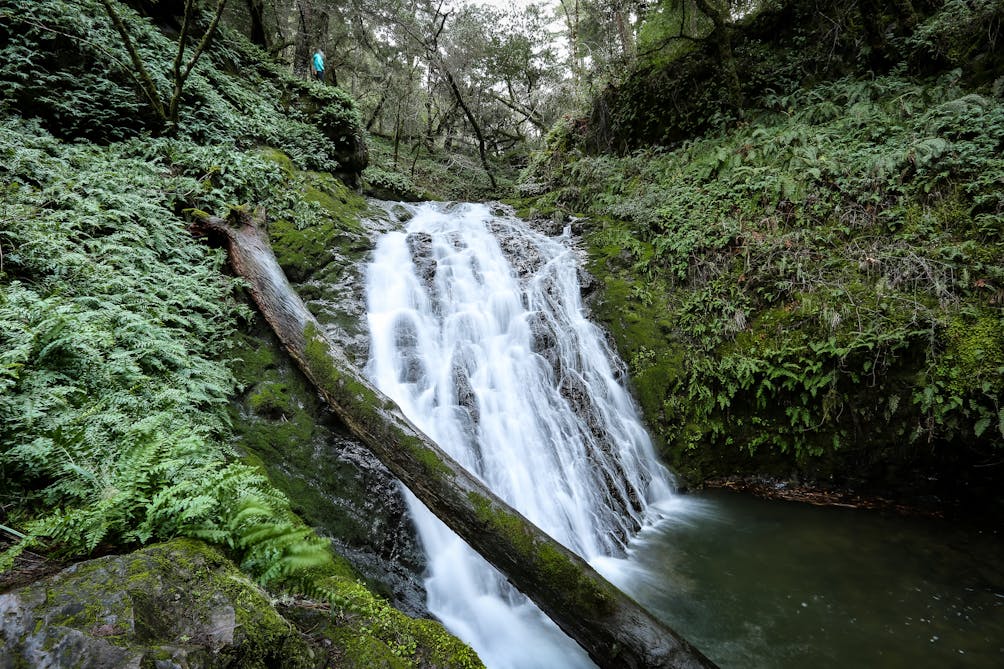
(459, 97)
(609, 625)
(722, 35)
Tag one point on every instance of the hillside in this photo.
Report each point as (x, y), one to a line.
(808, 286)
(792, 219)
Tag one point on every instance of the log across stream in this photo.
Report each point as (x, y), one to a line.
(613, 629)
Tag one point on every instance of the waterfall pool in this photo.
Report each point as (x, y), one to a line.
(778, 585)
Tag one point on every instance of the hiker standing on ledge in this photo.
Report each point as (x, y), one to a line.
(317, 65)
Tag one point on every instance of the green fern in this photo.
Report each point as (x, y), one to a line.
(824, 253)
(114, 324)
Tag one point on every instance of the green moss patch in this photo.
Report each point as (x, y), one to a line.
(325, 227)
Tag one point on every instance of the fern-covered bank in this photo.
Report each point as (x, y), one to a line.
(120, 334)
(816, 292)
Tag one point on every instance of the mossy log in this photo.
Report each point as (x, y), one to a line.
(614, 629)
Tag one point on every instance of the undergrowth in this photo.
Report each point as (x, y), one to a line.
(437, 174)
(63, 63)
(828, 277)
(114, 327)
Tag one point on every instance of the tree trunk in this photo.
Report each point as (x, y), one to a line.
(609, 625)
(256, 11)
(459, 97)
(722, 36)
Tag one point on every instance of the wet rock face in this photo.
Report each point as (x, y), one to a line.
(466, 398)
(383, 546)
(545, 341)
(519, 251)
(332, 481)
(179, 604)
(420, 247)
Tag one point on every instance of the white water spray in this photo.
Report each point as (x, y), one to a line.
(477, 332)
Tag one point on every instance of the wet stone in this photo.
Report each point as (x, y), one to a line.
(519, 250)
(420, 247)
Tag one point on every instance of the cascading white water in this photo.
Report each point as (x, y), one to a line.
(477, 332)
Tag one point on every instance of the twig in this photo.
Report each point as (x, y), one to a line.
(13, 532)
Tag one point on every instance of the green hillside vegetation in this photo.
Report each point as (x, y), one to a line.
(119, 330)
(815, 292)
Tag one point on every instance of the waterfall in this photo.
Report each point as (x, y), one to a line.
(477, 331)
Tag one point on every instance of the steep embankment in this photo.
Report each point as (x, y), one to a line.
(815, 292)
(121, 350)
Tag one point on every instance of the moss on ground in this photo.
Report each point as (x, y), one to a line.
(329, 226)
(363, 631)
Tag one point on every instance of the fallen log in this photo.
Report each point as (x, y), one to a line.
(615, 631)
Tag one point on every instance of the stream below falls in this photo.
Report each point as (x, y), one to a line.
(786, 585)
(478, 332)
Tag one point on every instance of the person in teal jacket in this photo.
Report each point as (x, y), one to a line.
(317, 64)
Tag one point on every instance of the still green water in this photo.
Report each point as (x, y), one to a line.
(764, 584)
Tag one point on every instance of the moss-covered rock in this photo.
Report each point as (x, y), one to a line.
(365, 632)
(332, 481)
(335, 114)
(179, 604)
(303, 249)
(183, 604)
(324, 254)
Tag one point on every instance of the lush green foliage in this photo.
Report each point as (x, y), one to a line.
(470, 80)
(391, 185)
(436, 174)
(114, 324)
(826, 278)
(57, 61)
(63, 63)
(964, 34)
(683, 86)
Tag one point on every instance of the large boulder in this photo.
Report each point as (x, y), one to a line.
(335, 114)
(179, 604)
(183, 605)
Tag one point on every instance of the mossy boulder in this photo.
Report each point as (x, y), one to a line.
(179, 604)
(305, 249)
(367, 633)
(336, 116)
(182, 604)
